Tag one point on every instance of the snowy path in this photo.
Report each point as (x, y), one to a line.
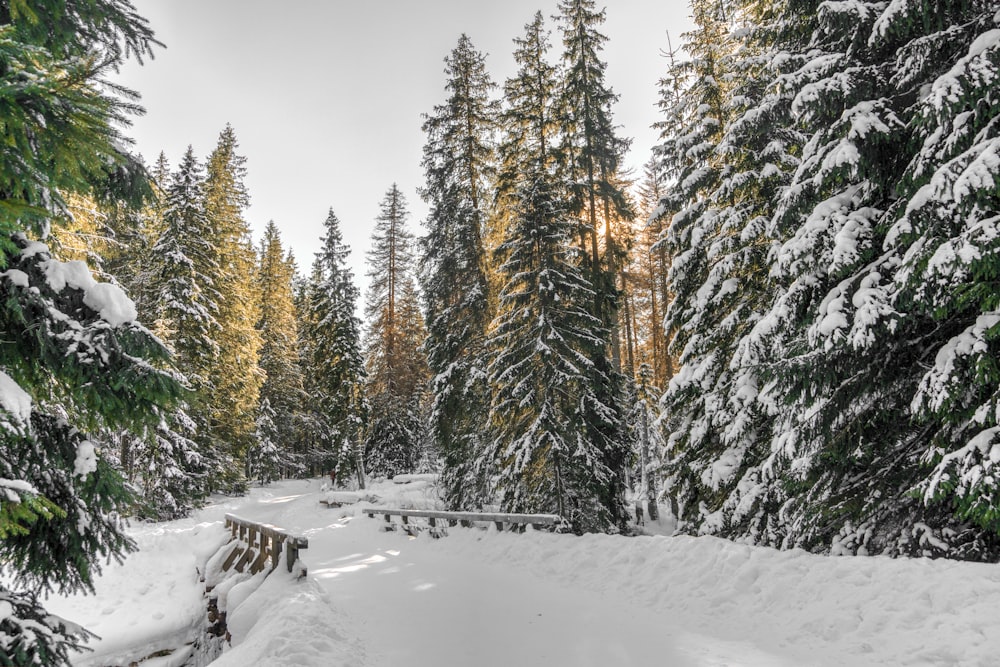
(375, 599)
(424, 602)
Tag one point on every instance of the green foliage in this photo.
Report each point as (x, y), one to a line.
(834, 274)
(237, 377)
(283, 388)
(458, 162)
(334, 361)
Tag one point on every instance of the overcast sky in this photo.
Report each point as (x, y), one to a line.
(326, 96)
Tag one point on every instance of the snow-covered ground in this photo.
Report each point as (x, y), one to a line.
(480, 597)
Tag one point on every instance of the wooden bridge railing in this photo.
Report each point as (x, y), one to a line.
(261, 543)
(464, 518)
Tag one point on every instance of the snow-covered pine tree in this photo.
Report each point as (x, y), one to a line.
(187, 302)
(71, 357)
(237, 376)
(283, 387)
(590, 154)
(395, 365)
(739, 132)
(163, 466)
(264, 459)
(947, 65)
(458, 163)
(544, 336)
(336, 365)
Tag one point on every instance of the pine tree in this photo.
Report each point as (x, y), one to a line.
(188, 299)
(458, 162)
(546, 459)
(544, 399)
(865, 356)
(730, 146)
(395, 366)
(336, 365)
(592, 153)
(237, 377)
(72, 357)
(264, 459)
(283, 388)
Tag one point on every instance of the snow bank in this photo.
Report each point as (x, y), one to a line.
(813, 609)
(376, 598)
(288, 622)
(154, 601)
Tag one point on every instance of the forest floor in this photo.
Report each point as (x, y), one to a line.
(380, 599)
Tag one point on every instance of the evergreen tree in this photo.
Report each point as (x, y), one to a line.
(730, 147)
(264, 459)
(188, 299)
(592, 153)
(395, 366)
(875, 272)
(544, 338)
(72, 357)
(283, 388)
(237, 377)
(458, 162)
(336, 362)
(163, 465)
(542, 393)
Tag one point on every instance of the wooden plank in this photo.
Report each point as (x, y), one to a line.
(537, 519)
(244, 559)
(261, 559)
(276, 544)
(233, 555)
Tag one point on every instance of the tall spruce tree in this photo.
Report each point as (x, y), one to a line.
(458, 164)
(544, 337)
(395, 365)
(283, 388)
(336, 367)
(728, 143)
(592, 152)
(860, 392)
(188, 300)
(72, 357)
(237, 377)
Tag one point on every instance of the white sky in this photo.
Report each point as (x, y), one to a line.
(326, 96)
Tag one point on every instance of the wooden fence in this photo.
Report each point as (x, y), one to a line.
(259, 544)
(512, 521)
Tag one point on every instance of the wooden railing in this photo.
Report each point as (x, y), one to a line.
(259, 544)
(464, 518)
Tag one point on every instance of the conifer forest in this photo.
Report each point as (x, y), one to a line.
(785, 330)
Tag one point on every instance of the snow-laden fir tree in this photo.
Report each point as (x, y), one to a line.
(187, 299)
(458, 164)
(237, 377)
(591, 154)
(947, 235)
(871, 357)
(265, 460)
(283, 387)
(72, 358)
(394, 361)
(335, 366)
(544, 337)
(729, 147)
(163, 465)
